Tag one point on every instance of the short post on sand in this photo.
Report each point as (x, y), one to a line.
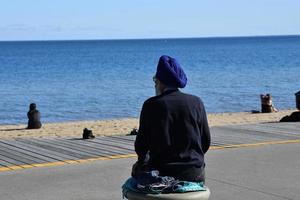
(298, 100)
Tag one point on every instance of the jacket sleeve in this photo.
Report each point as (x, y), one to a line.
(142, 142)
(205, 137)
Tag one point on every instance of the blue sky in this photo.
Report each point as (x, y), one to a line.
(127, 19)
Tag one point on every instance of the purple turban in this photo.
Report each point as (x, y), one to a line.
(170, 73)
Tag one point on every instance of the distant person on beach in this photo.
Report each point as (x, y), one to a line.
(34, 117)
(173, 135)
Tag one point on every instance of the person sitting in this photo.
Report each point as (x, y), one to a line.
(294, 117)
(33, 117)
(173, 133)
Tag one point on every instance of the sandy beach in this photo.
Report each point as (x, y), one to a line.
(124, 126)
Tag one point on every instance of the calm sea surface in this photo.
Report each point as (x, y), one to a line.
(87, 80)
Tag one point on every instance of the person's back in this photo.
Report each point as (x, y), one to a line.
(174, 131)
(34, 121)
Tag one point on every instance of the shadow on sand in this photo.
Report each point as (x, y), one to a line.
(14, 129)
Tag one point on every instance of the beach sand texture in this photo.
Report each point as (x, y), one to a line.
(124, 126)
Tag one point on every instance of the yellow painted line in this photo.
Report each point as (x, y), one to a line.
(26, 166)
(15, 167)
(59, 163)
(254, 144)
(71, 161)
(4, 169)
(82, 161)
(122, 156)
(48, 164)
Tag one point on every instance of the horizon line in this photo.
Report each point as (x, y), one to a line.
(157, 38)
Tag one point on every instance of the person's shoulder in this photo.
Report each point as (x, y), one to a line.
(192, 98)
(155, 101)
(150, 100)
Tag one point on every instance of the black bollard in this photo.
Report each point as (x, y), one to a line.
(297, 100)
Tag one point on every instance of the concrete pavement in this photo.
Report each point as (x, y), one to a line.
(265, 172)
(260, 161)
(261, 172)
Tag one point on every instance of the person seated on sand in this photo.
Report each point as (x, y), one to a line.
(34, 117)
(173, 134)
(294, 117)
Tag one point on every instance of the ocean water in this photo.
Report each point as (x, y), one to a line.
(88, 80)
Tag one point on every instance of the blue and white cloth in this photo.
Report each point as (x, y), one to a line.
(152, 183)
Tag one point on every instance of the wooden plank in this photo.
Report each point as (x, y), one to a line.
(32, 149)
(271, 130)
(234, 131)
(230, 139)
(39, 147)
(287, 131)
(123, 138)
(263, 129)
(283, 125)
(67, 147)
(60, 147)
(12, 161)
(271, 134)
(115, 140)
(116, 144)
(218, 144)
(75, 148)
(293, 127)
(105, 145)
(32, 154)
(5, 163)
(53, 148)
(45, 152)
(19, 157)
(90, 145)
(112, 150)
(80, 145)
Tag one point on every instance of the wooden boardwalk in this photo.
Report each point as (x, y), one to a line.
(26, 153)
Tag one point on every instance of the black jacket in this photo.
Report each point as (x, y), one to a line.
(173, 130)
(34, 119)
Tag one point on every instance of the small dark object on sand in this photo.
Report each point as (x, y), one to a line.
(294, 117)
(87, 134)
(134, 132)
(255, 111)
